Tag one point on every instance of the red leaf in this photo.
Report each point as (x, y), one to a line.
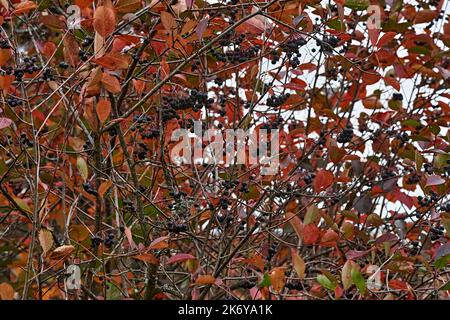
(323, 180)
(355, 254)
(310, 233)
(180, 257)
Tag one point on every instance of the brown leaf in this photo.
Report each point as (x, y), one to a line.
(147, 257)
(62, 253)
(104, 20)
(168, 21)
(46, 240)
(299, 264)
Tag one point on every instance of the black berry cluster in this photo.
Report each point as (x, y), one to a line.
(13, 102)
(176, 227)
(294, 285)
(88, 188)
(246, 284)
(109, 241)
(48, 74)
(292, 50)
(128, 206)
(25, 141)
(29, 66)
(141, 151)
(4, 44)
(95, 242)
(414, 247)
(272, 251)
(144, 124)
(436, 233)
(397, 97)
(277, 101)
(346, 135)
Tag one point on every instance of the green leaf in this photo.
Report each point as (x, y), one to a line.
(358, 280)
(311, 215)
(441, 263)
(265, 282)
(357, 4)
(325, 282)
(446, 287)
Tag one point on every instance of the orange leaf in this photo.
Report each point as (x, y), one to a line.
(372, 103)
(104, 20)
(5, 54)
(103, 109)
(205, 279)
(277, 278)
(6, 291)
(147, 257)
(329, 238)
(159, 243)
(5, 81)
(295, 222)
(113, 61)
(110, 83)
(104, 186)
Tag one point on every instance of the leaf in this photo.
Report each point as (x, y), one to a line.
(277, 278)
(325, 282)
(357, 4)
(5, 122)
(442, 251)
(45, 240)
(299, 264)
(103, 109)
(5, 55)
(24, 7)
(104, 187)
(205, 279)
(168, 21)
(82, 168)
(434, 180)
(310, 234)
(104, 20)
(336, 154)
(295, 222)
(62, 253)
(323, 180)
(311, 215)
(159, 243)
(78, 232)
(180, 257)
(113, 61)
(201, 27)
(147, 257)
(6, 291)
(346, 274)
(363, 204)
(358, 280)
(110, 83)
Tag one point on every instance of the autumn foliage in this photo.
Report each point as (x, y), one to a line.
(91, 92)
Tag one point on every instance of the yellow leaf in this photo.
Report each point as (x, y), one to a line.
(277, 279)
(82, 167)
